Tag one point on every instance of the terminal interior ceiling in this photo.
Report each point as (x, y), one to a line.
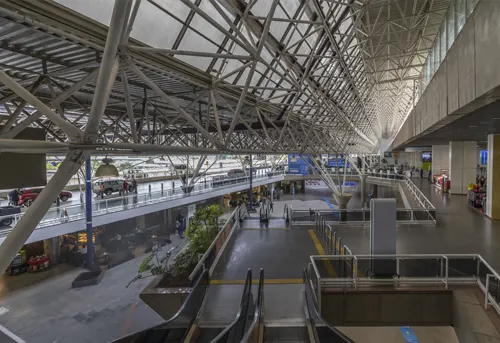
(308, 76)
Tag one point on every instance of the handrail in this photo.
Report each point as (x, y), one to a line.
(316, 319)
(132, 201)
(203, 280)
(201, 262)
(255, 332)
(473, 273)
(246, 300)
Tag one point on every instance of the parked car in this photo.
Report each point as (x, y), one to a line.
(28, 195)
(236, 173)
(108, 186)
(180, 166)
(7, 215)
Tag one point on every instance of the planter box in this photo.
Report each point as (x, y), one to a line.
(164, 300)
(86, 279)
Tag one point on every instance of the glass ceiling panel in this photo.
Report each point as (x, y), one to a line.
(150, 19)
(192, 41)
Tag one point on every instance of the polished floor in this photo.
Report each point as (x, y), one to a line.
(50, 311)
(459, 230)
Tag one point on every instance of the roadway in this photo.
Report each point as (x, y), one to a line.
(143, 187)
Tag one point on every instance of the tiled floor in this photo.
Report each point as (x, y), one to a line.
(50, 311)
(459, 229)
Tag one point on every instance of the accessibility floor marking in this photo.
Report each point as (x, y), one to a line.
(256, 281)
(321, 251)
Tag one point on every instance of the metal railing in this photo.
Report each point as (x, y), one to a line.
(212, 255)
(391, 179)
(415, 216)
(65, 214)
(406, 270)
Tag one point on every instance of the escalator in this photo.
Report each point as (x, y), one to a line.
(319, 331)
(184, 326)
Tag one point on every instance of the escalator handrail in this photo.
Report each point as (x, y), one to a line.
(316, 316)
(247, 290)
(179, 312)
(259, 307)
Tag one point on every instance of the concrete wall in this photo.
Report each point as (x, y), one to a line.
(440, 158)
(387, 308)
(466, 80)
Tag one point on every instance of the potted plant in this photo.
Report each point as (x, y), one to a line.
(166, 293)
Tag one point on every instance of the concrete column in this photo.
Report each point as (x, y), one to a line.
(440, 158)
(52, 249)
(493, 178)
(342, 201)
(362, 182)
(462, 165)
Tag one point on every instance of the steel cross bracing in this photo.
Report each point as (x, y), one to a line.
(191, 77)
(396, 37)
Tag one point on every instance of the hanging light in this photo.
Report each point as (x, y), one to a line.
(106, 169)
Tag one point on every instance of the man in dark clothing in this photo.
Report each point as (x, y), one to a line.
(14, 197)
(179, 225)
(422, 173)
(271, 205)
(134, 185)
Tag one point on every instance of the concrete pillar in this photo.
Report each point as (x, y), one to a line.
(493, 178)
(462, 165)
(362, 182)
(440, 158)
(52, 249)
(342, 201)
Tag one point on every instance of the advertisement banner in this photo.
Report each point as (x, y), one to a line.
(334, 162)
(297, 165)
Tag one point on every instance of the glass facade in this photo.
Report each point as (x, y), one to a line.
(457, 14)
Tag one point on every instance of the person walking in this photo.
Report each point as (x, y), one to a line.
(422, 173)
(14, 197)
(134, 185)
(271, 205)
(179, 225)
(125, 187)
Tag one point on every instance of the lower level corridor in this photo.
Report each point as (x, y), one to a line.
(459, 230)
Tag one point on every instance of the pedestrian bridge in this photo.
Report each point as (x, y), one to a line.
(63, 220)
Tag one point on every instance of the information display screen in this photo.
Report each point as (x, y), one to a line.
(427, 156)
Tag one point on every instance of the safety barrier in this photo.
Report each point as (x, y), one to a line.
(407, 270)
(361, 217)
(209, 260)
(60, 215)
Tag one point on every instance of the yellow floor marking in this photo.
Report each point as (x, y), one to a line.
(128, 319)
(263, 228)
(256, 281)
(321, 251)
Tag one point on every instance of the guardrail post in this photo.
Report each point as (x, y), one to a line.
(447, 270)
(162, 188)
(486, 292)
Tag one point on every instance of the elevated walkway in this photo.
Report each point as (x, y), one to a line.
(55, 223)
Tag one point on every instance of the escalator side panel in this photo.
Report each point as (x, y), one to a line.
(324, 332)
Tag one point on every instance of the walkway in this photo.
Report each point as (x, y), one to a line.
(50, 311)
(459, 230)
(113, 210)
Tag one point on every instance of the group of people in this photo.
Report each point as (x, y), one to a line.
(129, 187)
(266, 201)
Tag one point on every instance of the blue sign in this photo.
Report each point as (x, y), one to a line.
(408, 334)
(334, 161)
(297, 165)
(484, 156)
(350, 184)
